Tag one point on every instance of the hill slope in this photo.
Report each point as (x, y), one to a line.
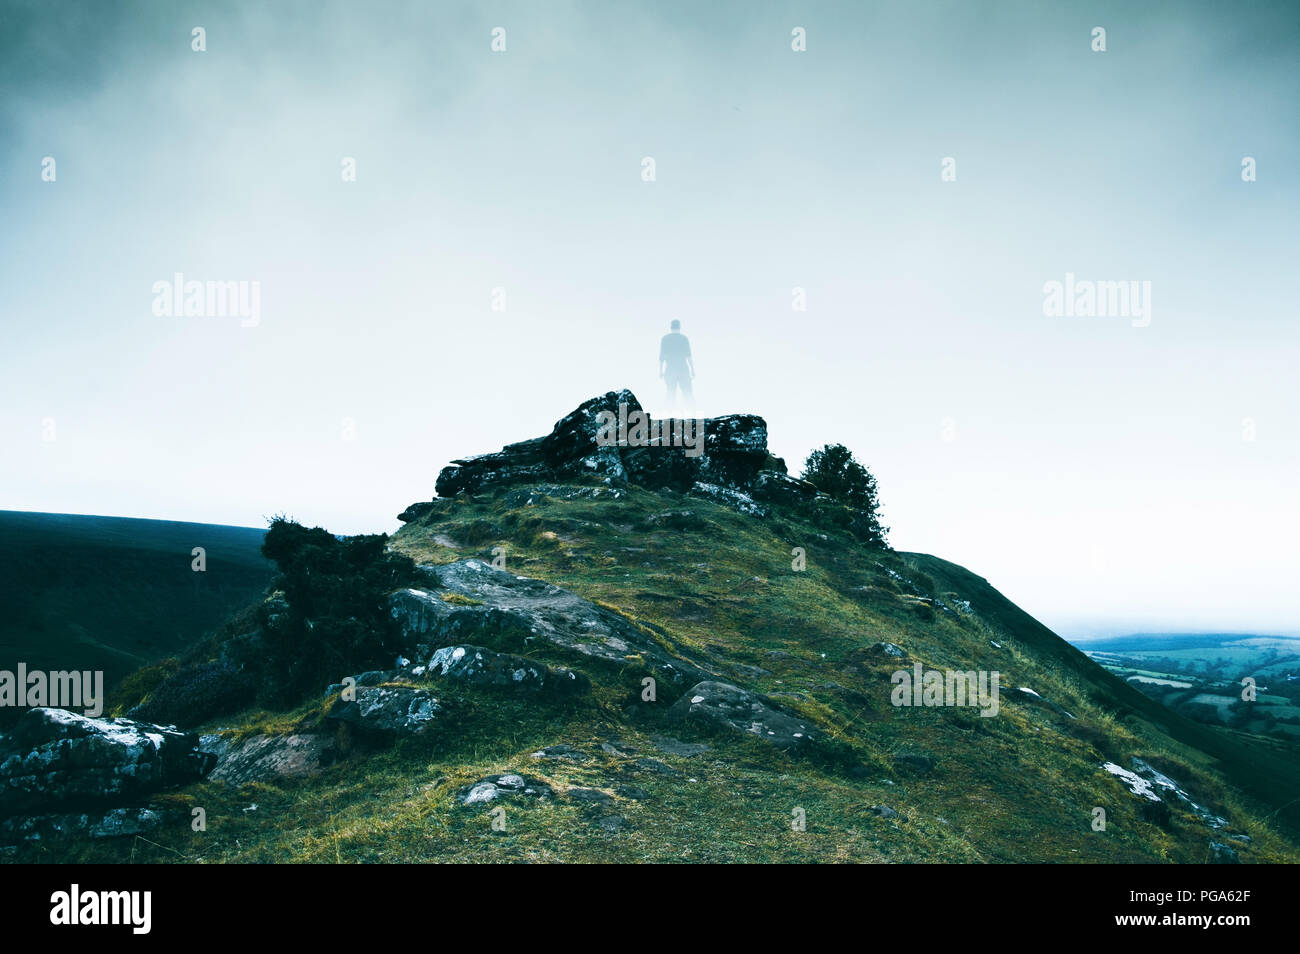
(115, 593)
(659, 580)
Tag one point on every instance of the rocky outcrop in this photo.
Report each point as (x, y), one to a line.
(613, 439)
(734, 453)
(522, 612)
(1161, 795)
(58, 759)
(723, 704)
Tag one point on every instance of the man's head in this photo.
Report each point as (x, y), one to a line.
(675, 325)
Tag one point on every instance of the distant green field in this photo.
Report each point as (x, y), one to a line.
(1214, 665)
(113, 593)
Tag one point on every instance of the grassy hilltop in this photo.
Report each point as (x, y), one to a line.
(716, 588)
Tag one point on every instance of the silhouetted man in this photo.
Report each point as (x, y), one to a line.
(675, 365)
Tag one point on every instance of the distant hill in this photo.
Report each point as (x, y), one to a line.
(116, 593)
(1166, 642)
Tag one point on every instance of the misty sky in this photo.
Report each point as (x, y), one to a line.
(1098, 473)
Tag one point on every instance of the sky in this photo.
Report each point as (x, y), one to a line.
(1108, 473)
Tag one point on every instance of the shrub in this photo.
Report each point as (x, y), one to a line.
(834, 471)
(337, 621)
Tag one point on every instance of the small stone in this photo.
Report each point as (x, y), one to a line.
(884, 811)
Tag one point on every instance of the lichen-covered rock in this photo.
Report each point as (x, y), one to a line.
(115, 823)
(729, 497)
(495, 786)
(394, 710)
(1158, 789)
(724, 704)
(58, 758)
(480, 666)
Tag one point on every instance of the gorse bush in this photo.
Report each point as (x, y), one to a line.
(834, 471)
(336, 622)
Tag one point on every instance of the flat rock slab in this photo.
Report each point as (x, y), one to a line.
(523, 610)
(394, 710)
(264, 757)
(723, 704)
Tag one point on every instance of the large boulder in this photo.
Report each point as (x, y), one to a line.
(523, 612)
(723, 704)
(58, 758)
